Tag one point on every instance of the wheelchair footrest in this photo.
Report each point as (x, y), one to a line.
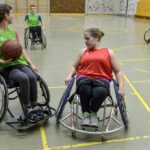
(23, 125)
(86, 128)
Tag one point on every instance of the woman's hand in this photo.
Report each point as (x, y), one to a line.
(8, 61)
(121, 93)
(68, 80)
(34, 67)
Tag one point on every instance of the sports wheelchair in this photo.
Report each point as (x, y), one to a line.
(28, 37)
(10, 91)
(69, 113)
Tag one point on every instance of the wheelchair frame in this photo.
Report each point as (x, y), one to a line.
(23, 123)
(106, 120)
(27, 36)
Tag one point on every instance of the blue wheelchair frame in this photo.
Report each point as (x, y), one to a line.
(119, 103)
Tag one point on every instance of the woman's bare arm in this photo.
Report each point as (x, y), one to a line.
(118, 73)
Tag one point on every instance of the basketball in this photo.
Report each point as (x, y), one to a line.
(11, 49)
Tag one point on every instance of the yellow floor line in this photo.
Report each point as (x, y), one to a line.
(131, 46)
(141, 70)
(57, 87)
(99, 143)
(44, 140)
(141, 81)
(137, 94)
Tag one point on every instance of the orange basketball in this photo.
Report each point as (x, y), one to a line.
(11, 49)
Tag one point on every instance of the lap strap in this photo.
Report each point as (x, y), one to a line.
(92, 83)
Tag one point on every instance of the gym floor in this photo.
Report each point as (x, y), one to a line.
(124, 35)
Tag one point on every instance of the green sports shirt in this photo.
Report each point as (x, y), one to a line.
(9, 34)
(33, 19)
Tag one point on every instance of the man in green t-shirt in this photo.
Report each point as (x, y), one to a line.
(20, 71)
(34, 22)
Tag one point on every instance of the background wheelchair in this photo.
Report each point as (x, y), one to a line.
(147, 36)
(28, 37)
(11, 92)
(69, 113)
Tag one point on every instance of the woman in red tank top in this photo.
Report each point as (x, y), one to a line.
(93, 67)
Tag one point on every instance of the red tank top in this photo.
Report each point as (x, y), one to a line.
(95, 64)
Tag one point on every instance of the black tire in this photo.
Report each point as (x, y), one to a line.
(123, 112)
(44, 43)
(26, 37)
(3, 98)
(147, 36)
(122, 106)
(44, 91)
(43, 98)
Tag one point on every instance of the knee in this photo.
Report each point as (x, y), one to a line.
(24, 79)
(100, 93)
(83, 90)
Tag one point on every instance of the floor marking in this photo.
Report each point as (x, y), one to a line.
(57, 87)
(137, 94)
(141, 81)
(135, 59)
(132, 93)
(141, 70)
(63, 86)
(76, 29)
(100, 143)
(44, 140)
(131, 46)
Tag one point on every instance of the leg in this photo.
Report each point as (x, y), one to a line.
(32, 31)
(32, 83)
(22, 79)
(85, 97)
(99, 94)
(39, 31)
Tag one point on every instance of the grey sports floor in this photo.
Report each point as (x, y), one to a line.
(65, 39)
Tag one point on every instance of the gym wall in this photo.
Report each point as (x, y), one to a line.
(143, 8)
(67, 6)
(77, 6)
(22, 6)
(111, 7)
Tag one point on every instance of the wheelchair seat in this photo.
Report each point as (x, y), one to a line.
(10, 91)
(69, 112)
